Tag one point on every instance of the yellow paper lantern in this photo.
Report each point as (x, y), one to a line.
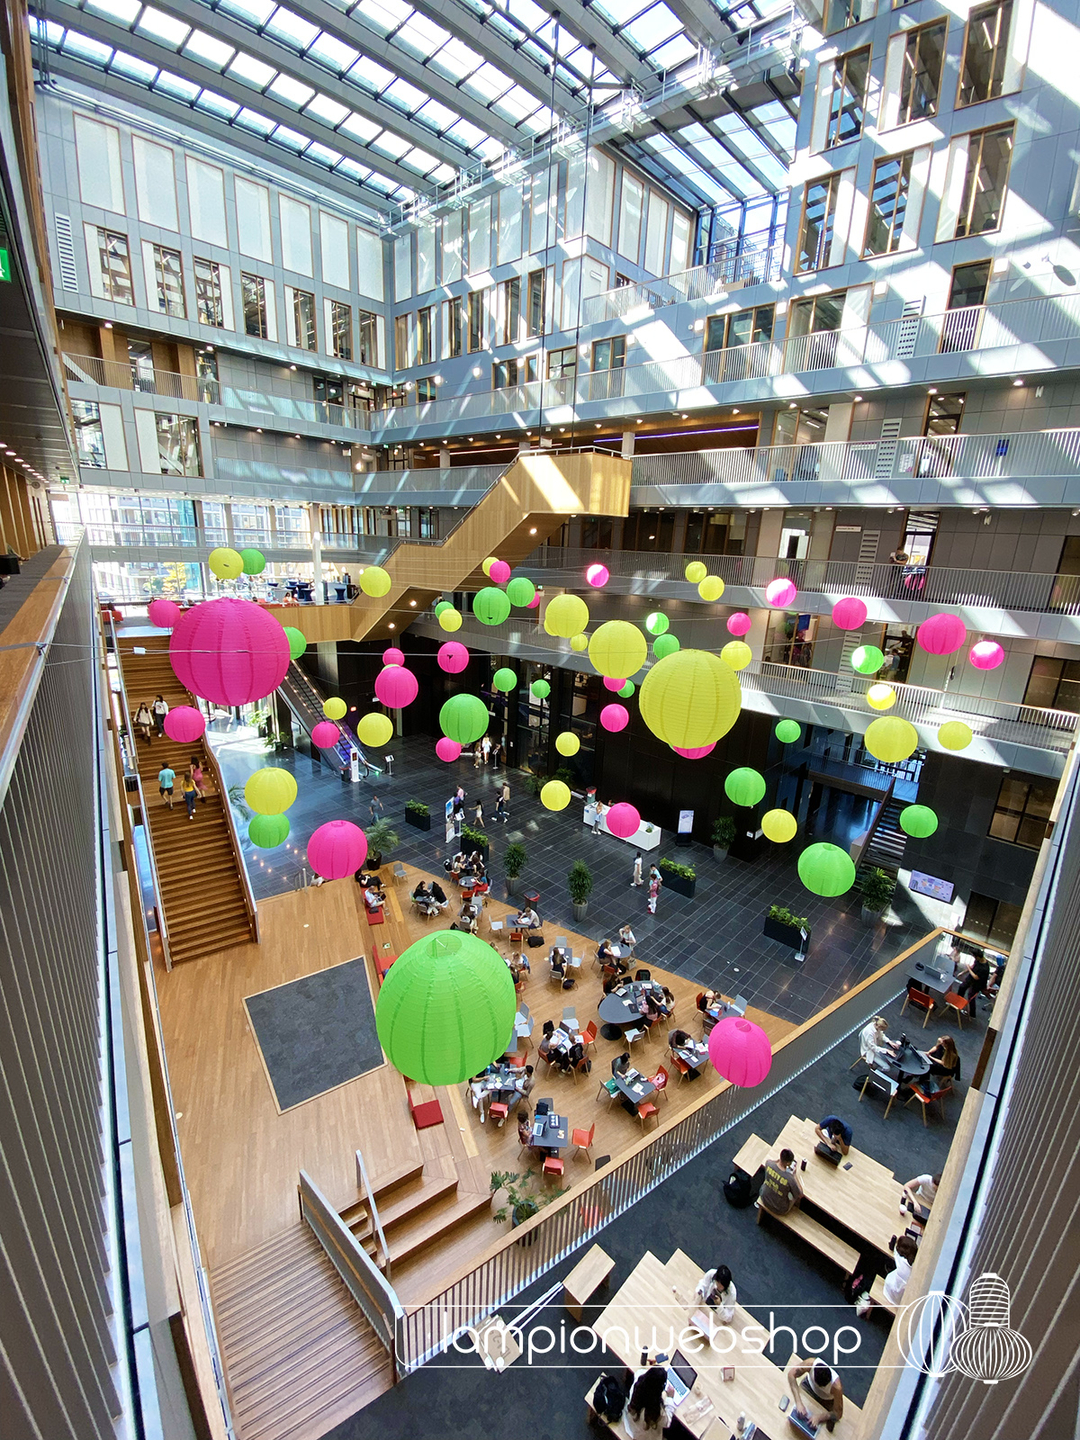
(486, 567)
(374, 729)
(955, 735)
(334, 708)
(375, 581)
(690, 699)
(779, 826)
(555, 795)
(696, 571)
(618, 649)
(579, 642)
(891, 739)
(566, 615)
(270, 791)
(567, 743)
(225, 563)
(450, 619)
(711, 588)
(881, 697)
(737, 654)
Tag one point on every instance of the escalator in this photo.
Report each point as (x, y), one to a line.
(305, 701)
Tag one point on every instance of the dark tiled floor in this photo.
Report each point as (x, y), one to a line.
(714, 938)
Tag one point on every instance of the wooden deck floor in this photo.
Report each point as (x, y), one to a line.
(242, 1158)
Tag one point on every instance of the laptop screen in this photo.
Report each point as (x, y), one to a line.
(684, 1370)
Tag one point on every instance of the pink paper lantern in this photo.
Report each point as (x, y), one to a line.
(533, 603)
(942, 634)
(610, 684)
(849, 614)
(697, 753)
(739, 623)
(986, 655)
(184, 724)
(780, 592)
(623, 820)
(164, 613)
(396, 687)
(453, 657)
(393, 656)
(447, 749)
(325, 734)
(740, 1051)
(229, 651)
(597, 575)
(337, 849)
(499, 573)
(614, 717)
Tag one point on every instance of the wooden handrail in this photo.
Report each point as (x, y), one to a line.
(234, 839)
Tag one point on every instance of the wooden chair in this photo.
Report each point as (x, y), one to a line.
(498, 1111)
(645, 1111)
(957, 1004)
(926, 1098)
(610, 1089)
(921, 1000)
(883, 1083)
(583, 1139)
(631, 1037)
(682, 1067)
(588, 1035)
(569, 1018)
(553, 1166)
(660, 1080)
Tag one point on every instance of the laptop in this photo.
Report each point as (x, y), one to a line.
(681, 1376)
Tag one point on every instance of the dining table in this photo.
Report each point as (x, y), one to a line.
(634, 1086)
(550, 1132)
(624, 1007)
(693, 1055)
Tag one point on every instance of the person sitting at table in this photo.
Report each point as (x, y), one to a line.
(650, 1406)
(545, 1042)
(874, 1048)
(519, 967)
(717, 1289)
(455, 865)
(470, 910)
(627, 939)
(480, 1094)
(524, 1127)
(656, 1004)
(557, 961)
(527, 919)
(944, 1058)
(606, 953)
(816, 1389)
(621, 1063)
(373, 900)
(424, 899)
(904, 1252)
(919, 1195)
(835, 1133)
(612, 983)
(439, 895)
(679, 1040)
(781, 1189)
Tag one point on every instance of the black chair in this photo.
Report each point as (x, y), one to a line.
(543, 1107)
(643, 975)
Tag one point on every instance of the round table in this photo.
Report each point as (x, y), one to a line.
(618, 1012)
(910, 1063)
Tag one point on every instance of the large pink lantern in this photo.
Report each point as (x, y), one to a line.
(849, 614)
(396, 687)
(453, 657)
(533, 603)
(781, 591)
(447, 749)
(623, 820)
(942, 634)
(739, 623)
(614, 717)
(597, 575)
(740, 1051)
(337, 849)
(164, 613)
(499, 573)
(184, 724)
(986, 655)
(610, 684)
(393, 656)
(325, 734)
(229, 651)
(697, 753)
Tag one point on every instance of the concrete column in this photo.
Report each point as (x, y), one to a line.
(759, 628)
(628, 443)
(315, 523)
(444, 457)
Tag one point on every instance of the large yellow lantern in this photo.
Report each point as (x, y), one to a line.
(695, 572)
(374, 729)
(690, 699)
(555, 795)
(955, 735)
(566, 616)
(737, 654)
(618, 649)
(450, 619)
(779, 825)
(711, 588)
(375, 581)
(225, 563)
(567, 743)
(891, 739)
(578, 643)
(270, 791)
(881, 696)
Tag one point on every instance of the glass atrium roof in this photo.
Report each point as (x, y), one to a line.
(387, 97)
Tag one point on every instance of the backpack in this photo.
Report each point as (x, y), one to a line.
(737, 1189)
(609, 1399)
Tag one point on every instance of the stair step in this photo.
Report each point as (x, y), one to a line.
(430, 1190)
(338, 1390)
(382, 1187)
(442, 1219)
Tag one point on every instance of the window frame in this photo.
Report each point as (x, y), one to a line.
(212, 299)
(106, 237)
(567, 368)
(1000, 51)
(158, 251)
(511, 310)
(339, 350)
(971, 193)
(247, 279)
(368, 326)
(298, 296)
(896, 233)
(916, 34)
(425, 335)
(1023, 814)
(475, 322)
(536, 303)
(831, 182)
(616, 353)
(455, 325)
(835, 116)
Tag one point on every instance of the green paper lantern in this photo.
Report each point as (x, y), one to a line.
(443, 605)
(627, 690)
(867, 659)
(540, 689)
(446, 1008)
(503, 679)
(918, 821)
(744, 786)
(520, 591)
(491, 606)
(268, 831)
(788, 731)
(657, 623)
(826, 870)
(464, 718)
(665, 644)
(297, 642)
(254, 561)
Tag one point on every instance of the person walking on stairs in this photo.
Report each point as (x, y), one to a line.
(166, 780)
(198, 779)
(190, 794)
(144, 721)
(161, 709)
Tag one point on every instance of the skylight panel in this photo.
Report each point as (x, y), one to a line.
(122, 11)
(421, 36)
(162, 28)
(490, 149)
(253, 121)
(332, 53)
(175, 86)
(291, 29)
(466, 134)
(419, 160)
(132, 69)
(289, 139)
(217, 105)
(389, 144)
(322, 154)
(530, 15)
(652, 28)
(618, 12)
(209, 50)
(456, 60)
(252, 12)
(350, 168)
(330, 112)
(435, 116)
(83, 48)
(404, 96)
(370, 76)
(539, 122)
(443, 174)
(290, 91)
(250, 71)
(516, 103)
(678, 49)
(360, 128)
(385, 16)
(488, 83)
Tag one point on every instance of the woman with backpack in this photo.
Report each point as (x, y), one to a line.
(651, 1405)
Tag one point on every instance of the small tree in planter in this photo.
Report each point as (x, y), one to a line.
(514, 862)
(784, 926)
(579, 881)
(681, 878)
(523, 1199)
(381, 839)
(472, 839)
(723, 833)
(418, 814)
(877, 888)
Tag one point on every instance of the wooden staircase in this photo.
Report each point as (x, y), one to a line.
(202, 891)
(299, 1354)
(416, 1210)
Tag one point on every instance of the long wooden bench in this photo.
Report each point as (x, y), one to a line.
(815, 1234)
(586, 1277)
(877, 1294)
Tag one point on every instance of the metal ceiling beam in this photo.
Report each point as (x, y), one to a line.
(725, 144)
(762, 131)
(620, 56)
(154, 54)
(701, 21)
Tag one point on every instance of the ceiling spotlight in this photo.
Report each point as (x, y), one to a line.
(108, 324)
(296, 437)
(734, 412)
(1018, 381)
(932, 390)
(857, 399)
(392, 625)
(533, 530)
(292, 367)
(413, 603)
(792, 405)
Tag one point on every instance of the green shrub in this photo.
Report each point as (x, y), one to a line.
(580, 882)
(723, 831)
(783, 916)
(674, 868)
(477, 838)
(877, 888)
(514, 860)
(417, 807)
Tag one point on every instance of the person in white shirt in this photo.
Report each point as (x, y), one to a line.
(919, 1195)
(717, 1289)
(627, 939)
(896, 1280)
(651, 1404)
(528, 919)
(816, 1389)
(874, 1048)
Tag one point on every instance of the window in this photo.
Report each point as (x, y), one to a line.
(983, 198)
(851, 75)
(609, 354)
(1022, 810)
(745, 327)
(511, 315)
(992, 921)
(1054, 684)
(562, 364)
(141, 360)
(943, 416)
(455, 325)
(426, 389)
(402, 358)
(717, 532)
(88, 434)
(425, 335)
(208, 302)
(888, 204)
(969, 284)
(253, 293)
(369, 338)
(115, 267)
(169, 282)
(537, 290)
(341, 330)
(476, 320)
(986, 44)
(818, 317)
(505, 373)
(818, 219)
(920, 76)
(303, 312)
(206, 376)
(622, 281)
(842, 13)
(178, 445)
(649, 530)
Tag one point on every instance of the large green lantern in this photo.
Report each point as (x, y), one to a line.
(627, 690)
(297, 641)
(446, 1008)
(665, 644)
(504, 679)
(744, 786)
(268, 831)
(491, 606)
(657, 622)
(540, 689)
(826, 870)
(254, 561)
(788, 731)
(918, 821)
(867, 659)
(464, 718)
(520, 591)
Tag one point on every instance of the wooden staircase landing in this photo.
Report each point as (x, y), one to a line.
(416, 1210)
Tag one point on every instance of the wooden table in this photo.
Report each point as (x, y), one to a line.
(658, 1297)
(635, 1090)
(586, 1277)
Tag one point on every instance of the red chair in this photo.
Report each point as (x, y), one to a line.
(583, 1139)
(498, 1111)
(660, 1080)
(645, 1110)
(957, 1004)
(921, 1000)
(927, 1097)
(426, 1113)
(375, 917)
(553, 1166)
(588, 1035)
(383, 963)
(682, 1067)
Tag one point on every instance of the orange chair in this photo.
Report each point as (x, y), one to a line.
(553, 1166)
(660, 1080)
(583, 1139)
(682, 1067)
(588, 1035)
(926, 1098)
(957, 1004)
(921, 1000)
(498, 1111)
(645, 1110)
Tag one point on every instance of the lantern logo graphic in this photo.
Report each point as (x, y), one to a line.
(940, 1335)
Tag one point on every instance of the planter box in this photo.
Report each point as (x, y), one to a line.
(785, 934)
(419, 822)
(679, 884)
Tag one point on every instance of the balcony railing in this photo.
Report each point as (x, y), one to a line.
(742, 266)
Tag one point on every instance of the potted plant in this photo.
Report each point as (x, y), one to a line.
(782, 925)
(579, 881)
(381, 838)
(681, 878)
(514, 862)
(417, 814)
(522, 1199)
(877, 888)
(723, 833)
(472, 839)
